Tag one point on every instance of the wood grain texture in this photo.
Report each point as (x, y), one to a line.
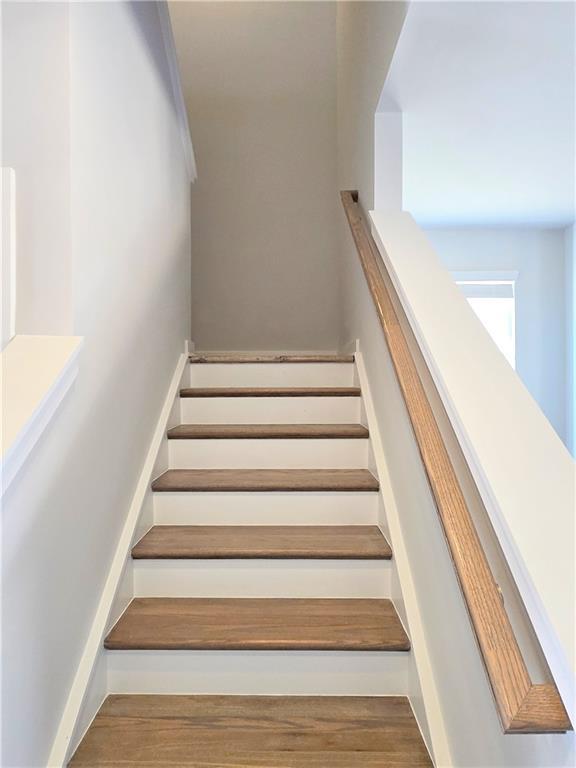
(253, 731)
(507, 672)
(172, 623)
(316, 542)
(203, 480)
(270, 392)
(541, 704)
(252, 358)
(268, 432)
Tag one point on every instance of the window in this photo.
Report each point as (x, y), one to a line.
(493, 300)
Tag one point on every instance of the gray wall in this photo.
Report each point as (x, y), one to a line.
(260, 86)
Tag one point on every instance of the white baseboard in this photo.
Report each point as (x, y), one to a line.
(78, 702)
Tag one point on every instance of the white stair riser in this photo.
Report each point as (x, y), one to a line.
(262, 578)
(272, 375)
(330, 508)
(270, 410)
(268, 454)
(360, 673)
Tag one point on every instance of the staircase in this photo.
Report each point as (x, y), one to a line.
(261, 632)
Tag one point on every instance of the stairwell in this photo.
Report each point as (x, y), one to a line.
(261, 632)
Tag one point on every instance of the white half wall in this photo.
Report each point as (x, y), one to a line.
(128, 209)
(538, 256)
(449, 687)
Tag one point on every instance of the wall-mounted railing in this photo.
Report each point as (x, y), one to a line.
(523, 706)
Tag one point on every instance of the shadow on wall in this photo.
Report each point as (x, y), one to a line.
(146, 16)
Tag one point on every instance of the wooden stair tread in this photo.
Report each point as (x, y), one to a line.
(167, 731)
(267, 431)
(251, 358)
(266, 480)
(270, 392)
(354, 542)
(169, 623)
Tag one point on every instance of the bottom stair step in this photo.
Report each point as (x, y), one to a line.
(164, 623)
(263, 731)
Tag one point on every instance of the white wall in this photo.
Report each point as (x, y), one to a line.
(260, 85)
(130, 275)
(538, 257)
(35, 87)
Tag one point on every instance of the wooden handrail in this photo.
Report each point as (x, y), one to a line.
(523, 706)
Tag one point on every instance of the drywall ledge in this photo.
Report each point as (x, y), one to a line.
(36, 372)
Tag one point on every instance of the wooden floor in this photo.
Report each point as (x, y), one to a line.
(249, 732)
(319, 542)
(267, 431)
(266, 480)
(251, 624)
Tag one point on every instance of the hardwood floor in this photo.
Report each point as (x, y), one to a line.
(319, 542)
(161, 623)
(253, 731)
(266, 480)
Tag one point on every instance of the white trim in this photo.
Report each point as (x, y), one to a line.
(27, 410)
(434, 715)
(62, 743)
(177, 93)
(522, 470)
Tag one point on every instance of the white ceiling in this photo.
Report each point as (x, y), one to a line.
(487, 91)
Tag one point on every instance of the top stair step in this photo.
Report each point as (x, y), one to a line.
(235, 359)
(270, 392)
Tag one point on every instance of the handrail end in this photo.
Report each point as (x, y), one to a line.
(541, 711)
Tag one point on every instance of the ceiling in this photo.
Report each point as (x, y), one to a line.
(487, 92)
